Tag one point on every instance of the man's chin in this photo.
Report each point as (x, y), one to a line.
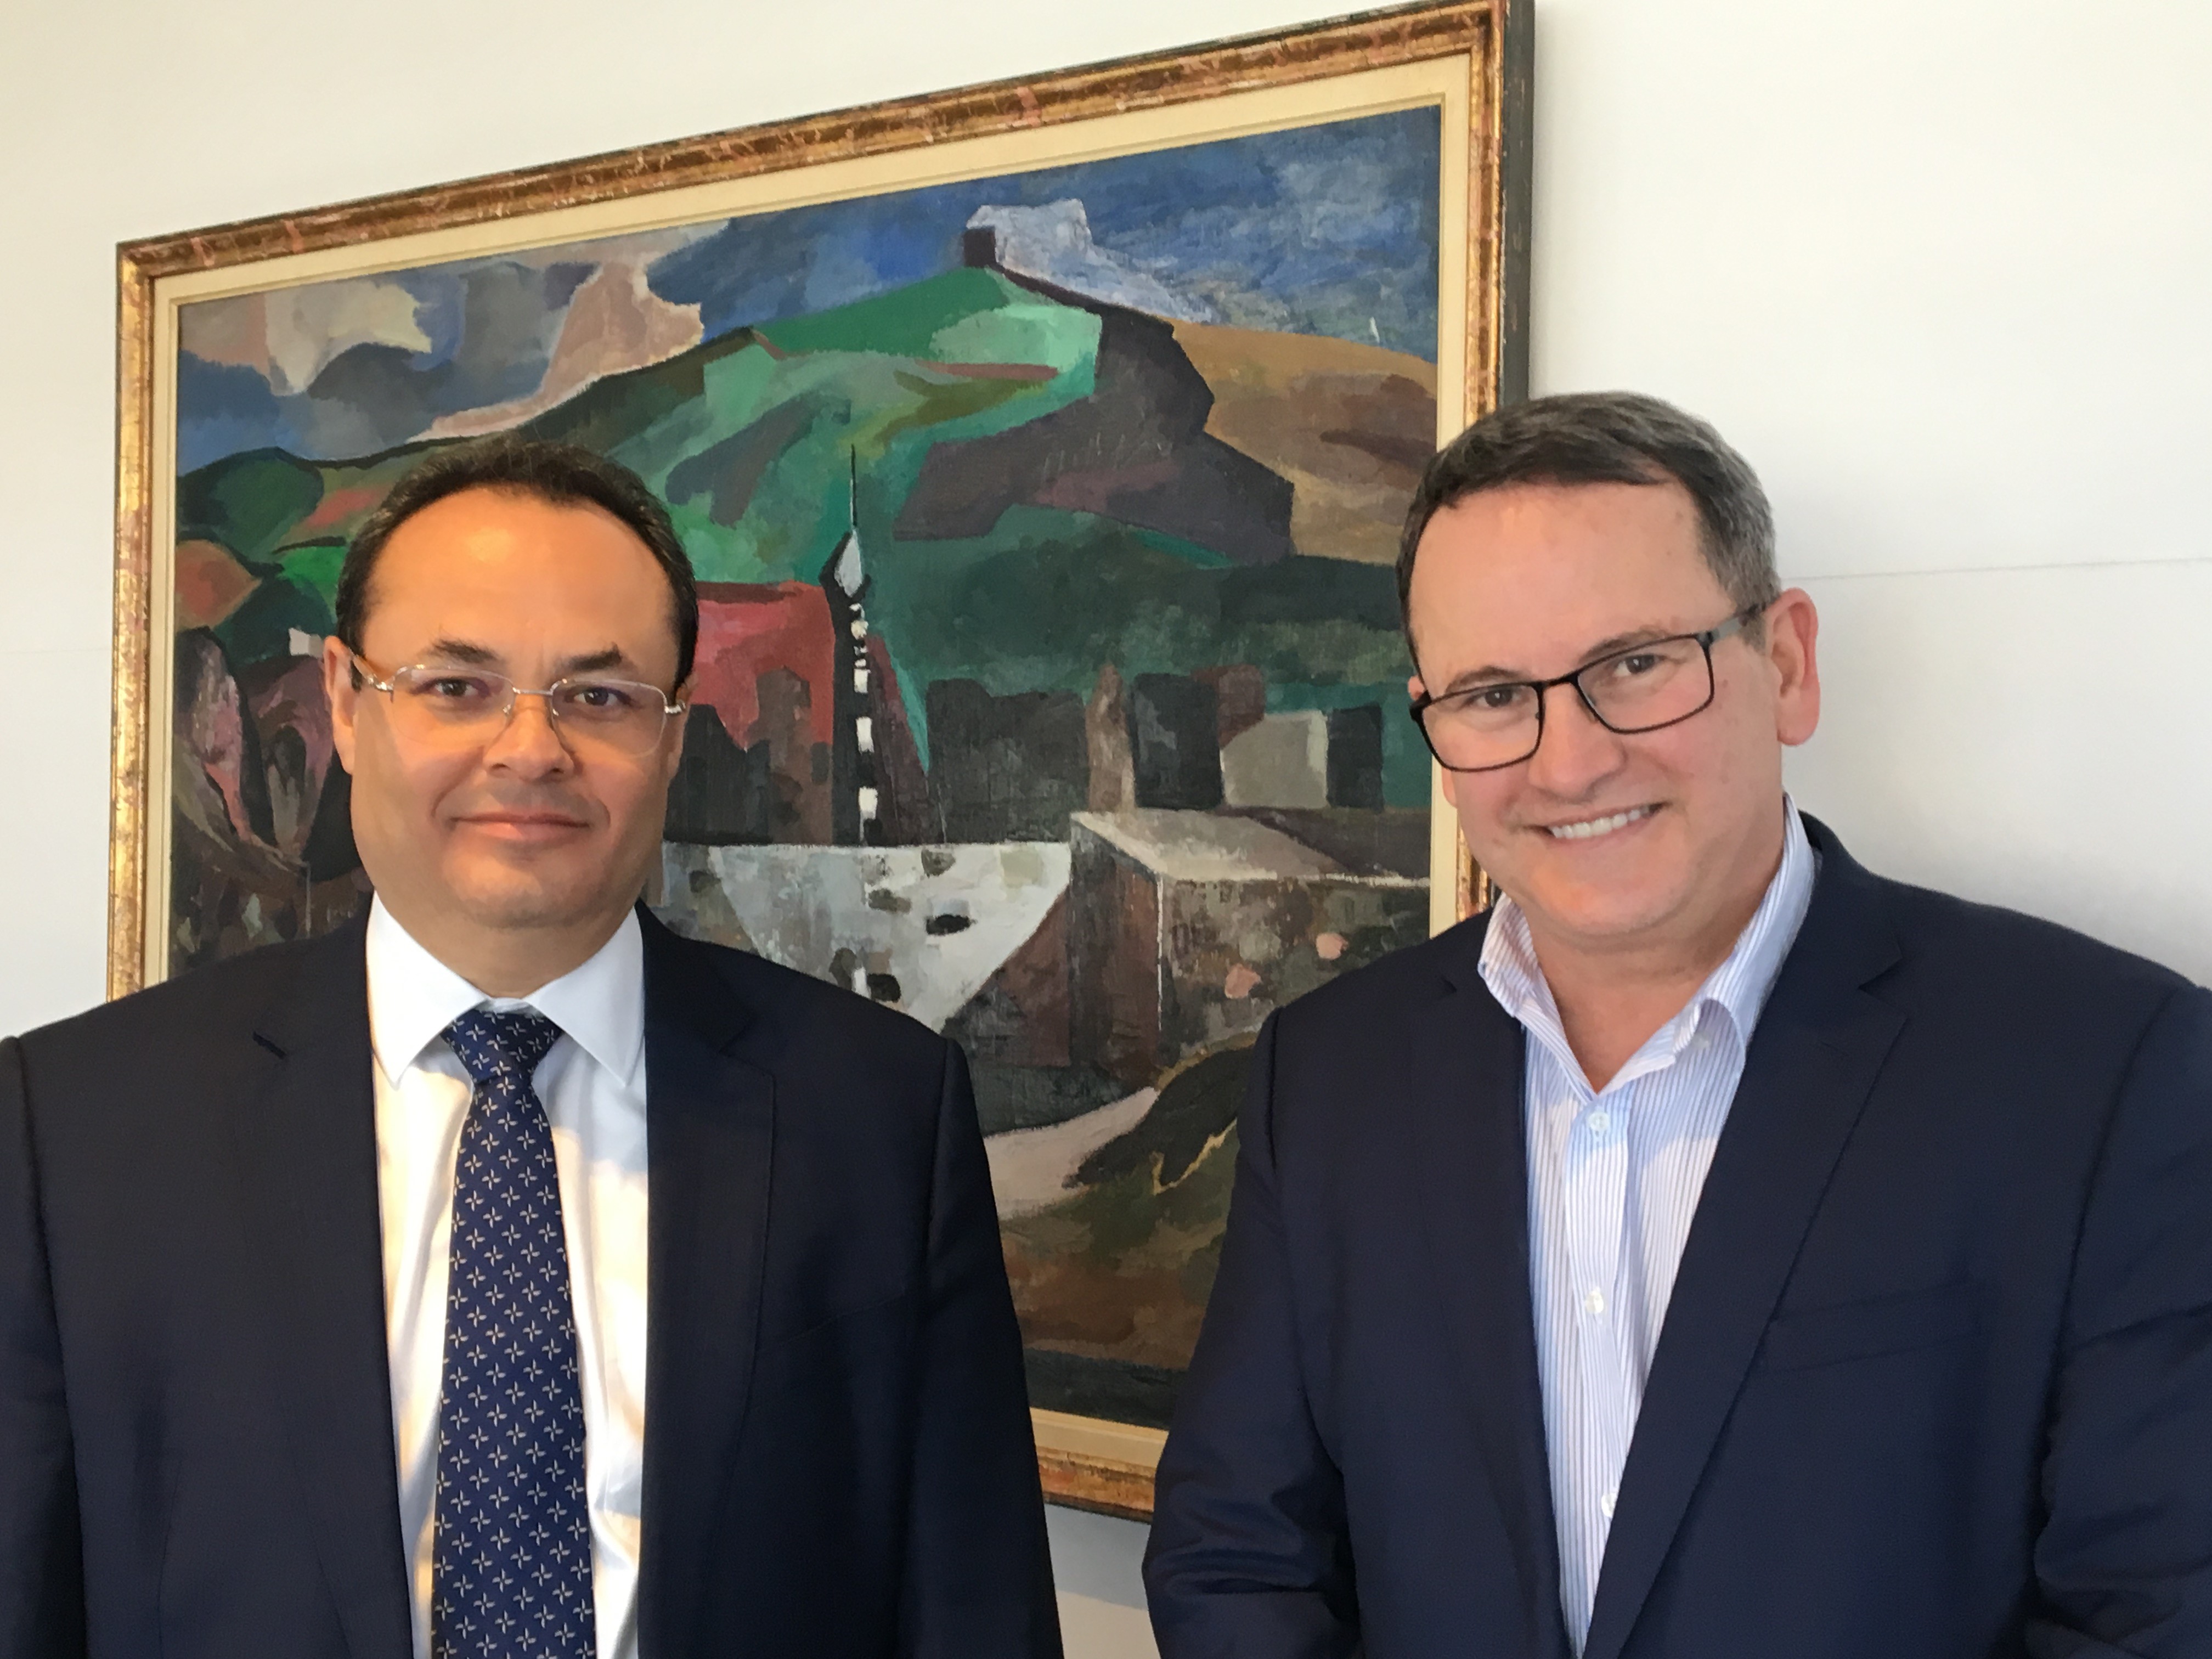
(507, 904)
(1597, 920)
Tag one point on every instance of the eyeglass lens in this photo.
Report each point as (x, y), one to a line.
(1638, 689)
(454, 705)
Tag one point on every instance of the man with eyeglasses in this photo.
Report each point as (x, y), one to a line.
(1715, 1251)
(503, 1275)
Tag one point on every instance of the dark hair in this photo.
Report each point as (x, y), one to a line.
(1609, 437)
(562, 474)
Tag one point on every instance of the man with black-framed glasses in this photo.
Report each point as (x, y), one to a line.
(1716, 1251)
(1485, 724)
(503, 1276)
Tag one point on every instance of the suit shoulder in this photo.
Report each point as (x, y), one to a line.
(1392, 982)
(799, 1006)
(2005, 949)
(193, 1003)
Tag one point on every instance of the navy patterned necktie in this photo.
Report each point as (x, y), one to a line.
(511, 1565)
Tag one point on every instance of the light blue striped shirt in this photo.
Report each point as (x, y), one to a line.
(1614, 1179)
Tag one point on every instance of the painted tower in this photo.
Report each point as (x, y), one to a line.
(855, 798)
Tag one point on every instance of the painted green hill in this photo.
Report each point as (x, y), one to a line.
(748, 439)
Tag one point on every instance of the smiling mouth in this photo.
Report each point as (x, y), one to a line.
(1590, 827)
(525, 821)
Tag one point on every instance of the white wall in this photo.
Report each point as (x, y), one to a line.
(1937, 266)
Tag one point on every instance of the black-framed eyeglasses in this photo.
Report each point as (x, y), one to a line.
(454, 706)
(1639, 688)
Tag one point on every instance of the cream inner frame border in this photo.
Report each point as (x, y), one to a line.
(1441, 83)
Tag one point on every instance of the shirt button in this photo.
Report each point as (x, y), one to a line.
(1594, 1301)
(1599, 1122)
(1607, 1502)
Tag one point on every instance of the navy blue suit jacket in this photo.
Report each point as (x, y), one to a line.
(1936, 1381)
(196, 1438)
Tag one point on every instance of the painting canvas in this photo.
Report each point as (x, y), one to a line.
(1049, 664)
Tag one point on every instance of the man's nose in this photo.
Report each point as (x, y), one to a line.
(530, 743)
(1577, 750)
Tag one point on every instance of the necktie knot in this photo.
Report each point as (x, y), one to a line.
(501, 1043)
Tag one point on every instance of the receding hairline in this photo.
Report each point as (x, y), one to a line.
(526, 491)
(1578, 439)
(1655, 476)
(523, 491)
(1658, 477)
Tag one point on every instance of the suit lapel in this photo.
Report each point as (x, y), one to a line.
(1820, 1043)
(1466, 1061)
(709, 1127)
(307, 1148)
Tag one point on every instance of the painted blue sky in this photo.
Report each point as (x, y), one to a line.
(1328, 229)
(1317, 230)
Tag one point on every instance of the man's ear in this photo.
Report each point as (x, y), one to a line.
(1793, 632)
(1446, 780)
(343, 695)
(673, 754)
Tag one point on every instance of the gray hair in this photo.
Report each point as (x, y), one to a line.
(1609, 437)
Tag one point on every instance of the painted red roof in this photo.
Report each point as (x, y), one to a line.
(748, 628)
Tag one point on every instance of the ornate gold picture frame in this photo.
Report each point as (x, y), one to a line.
(1268, 274)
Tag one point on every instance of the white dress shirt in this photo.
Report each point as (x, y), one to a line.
(592, 1085)
(1614, 1179)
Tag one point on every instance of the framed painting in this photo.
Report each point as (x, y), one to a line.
(1041, 449)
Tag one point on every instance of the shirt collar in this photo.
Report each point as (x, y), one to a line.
(413, 997)
(1740, 984)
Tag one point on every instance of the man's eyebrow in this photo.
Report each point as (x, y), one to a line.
(463, 652)
(613, 656)
(1624, 642)
(468, 654)
(1493, 675)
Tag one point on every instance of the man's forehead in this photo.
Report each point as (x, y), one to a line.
(1558, 572)
(512, 518)
(481, 541)
(492, 577)
(1566, 519)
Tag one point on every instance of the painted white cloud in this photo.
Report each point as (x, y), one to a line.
(1052, 244)
(310, 325)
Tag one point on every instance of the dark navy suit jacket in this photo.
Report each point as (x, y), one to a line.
(196, 1438)
(1936, 1381)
